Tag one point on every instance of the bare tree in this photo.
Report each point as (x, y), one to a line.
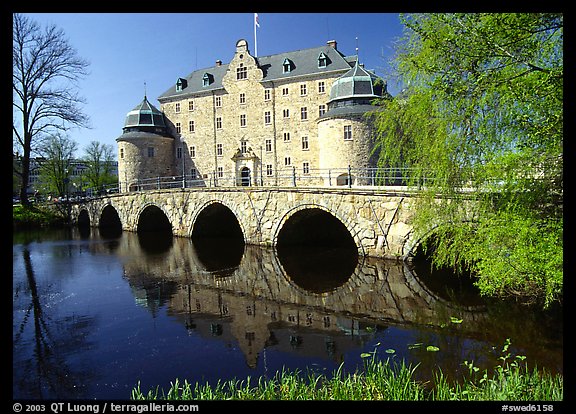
(45, 71)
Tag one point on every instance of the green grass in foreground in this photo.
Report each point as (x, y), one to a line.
(381, 380)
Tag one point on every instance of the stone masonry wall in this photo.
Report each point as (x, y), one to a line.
(378, 221)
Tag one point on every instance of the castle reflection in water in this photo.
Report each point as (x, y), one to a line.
(244, 295)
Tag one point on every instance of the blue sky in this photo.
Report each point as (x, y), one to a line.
(127, 49)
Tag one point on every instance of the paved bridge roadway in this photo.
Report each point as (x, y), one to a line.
(376, 220)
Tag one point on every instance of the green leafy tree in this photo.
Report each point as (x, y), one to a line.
(99, 159)
(480, 124)
(56, 169)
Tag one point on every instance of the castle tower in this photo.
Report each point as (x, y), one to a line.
(344, 132)
(146, 147)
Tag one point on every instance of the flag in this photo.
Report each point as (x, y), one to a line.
(256, 23)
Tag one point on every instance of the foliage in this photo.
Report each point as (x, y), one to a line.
(56, 169)
(480, 124)
(380, 380)
(30, 216)
(99, 159)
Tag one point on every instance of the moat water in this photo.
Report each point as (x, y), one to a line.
(94, 315)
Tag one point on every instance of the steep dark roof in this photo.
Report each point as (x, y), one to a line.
(303, 63)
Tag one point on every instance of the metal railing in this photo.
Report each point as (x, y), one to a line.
(346, 177)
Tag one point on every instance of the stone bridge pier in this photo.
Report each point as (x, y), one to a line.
(377, 221)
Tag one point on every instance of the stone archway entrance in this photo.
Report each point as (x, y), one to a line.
(246, 163)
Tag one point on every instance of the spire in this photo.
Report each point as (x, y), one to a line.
(145, 91)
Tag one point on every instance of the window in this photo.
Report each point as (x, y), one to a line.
(179, 152)
(191, 126)
(286, 136)
(219, 150)
(321, 110)
(218, 101)
(303, 113)
(177, 107)
(243, 147)
(219, 122)
(287, 66)
(305, 167)
(241, 72)
(322, 60)
(242, 98)
(181, 84)
(192, 152)
(268, 145)
(286, 113)
(121, 152)
(266, 94)
(269, 170)
(287, 161)
(190, 105)
(178, 127)
(150, 152)
(321, 87)
(303, 89)
(207, 79)
(305, 146)
(267, 118)
(243, 120)
(284, 91)
(193, 173)
(220, 171)
(347, 132)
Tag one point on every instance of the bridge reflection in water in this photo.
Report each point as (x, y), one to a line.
(254, 297)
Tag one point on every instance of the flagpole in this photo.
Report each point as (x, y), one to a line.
(255, 38)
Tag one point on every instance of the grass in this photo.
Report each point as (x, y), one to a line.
(33, 216)
(380, 380)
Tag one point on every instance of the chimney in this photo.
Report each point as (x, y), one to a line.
(218, 62)
(332, 43)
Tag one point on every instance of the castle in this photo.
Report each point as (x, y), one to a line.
(257, 121)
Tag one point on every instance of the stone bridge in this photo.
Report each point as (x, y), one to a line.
(377, 221)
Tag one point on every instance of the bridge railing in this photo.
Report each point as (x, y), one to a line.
(346, 177)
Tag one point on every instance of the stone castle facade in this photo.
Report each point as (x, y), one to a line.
(257, 121)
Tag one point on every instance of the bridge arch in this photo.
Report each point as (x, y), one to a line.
(109, 223)
(216, 218)
(83, 220)
(318, 216)
(151, 217)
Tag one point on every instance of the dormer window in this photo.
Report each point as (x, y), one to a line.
(287, 66)
(207, 79)
(181, 84)
(323, 60)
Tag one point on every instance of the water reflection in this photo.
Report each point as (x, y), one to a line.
(271, 308)
(318, 269)
(264, 294)
(42, 339)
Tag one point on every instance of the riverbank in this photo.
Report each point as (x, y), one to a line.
(381, 380)
(35, 216)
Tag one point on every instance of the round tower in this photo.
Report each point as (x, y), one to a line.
(344, 132)
(146, 147)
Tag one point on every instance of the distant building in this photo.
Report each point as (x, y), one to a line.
(78, 168)
(256, 120)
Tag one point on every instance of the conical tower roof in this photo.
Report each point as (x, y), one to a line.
(145, 115)
(356, 83)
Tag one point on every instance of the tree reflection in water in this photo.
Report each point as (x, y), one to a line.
(43, 368)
